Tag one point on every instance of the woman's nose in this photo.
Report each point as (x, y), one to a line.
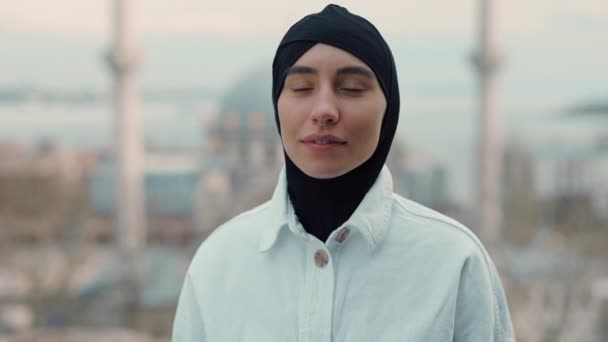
(325, 111)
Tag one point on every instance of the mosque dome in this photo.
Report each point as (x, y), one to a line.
(244, 132)
(247, 105)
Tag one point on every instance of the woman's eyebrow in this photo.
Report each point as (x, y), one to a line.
(356, 70)
(300, 69)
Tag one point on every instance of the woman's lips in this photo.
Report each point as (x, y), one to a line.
(323, 142)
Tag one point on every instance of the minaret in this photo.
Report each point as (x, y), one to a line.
(489, 180)
(128, 202)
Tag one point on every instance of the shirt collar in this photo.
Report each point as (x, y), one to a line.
(279, 213)
(371, 217)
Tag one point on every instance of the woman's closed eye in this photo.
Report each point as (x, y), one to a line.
(300, 89)
(354, 90)
(352, 86)
(299, 85)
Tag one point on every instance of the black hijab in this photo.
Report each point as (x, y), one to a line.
(322, 205)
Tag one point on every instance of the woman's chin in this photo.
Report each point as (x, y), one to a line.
(324, 173)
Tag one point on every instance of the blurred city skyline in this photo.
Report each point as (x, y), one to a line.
(555, 61)
(555, 58)
(555, 51)
(211, 150)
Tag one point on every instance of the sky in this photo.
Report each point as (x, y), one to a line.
(209, 43)
(230, 18)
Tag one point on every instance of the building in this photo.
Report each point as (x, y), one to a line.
(572, 180)
(40, 190)
(555, 295)
(171, 179)
(418, 176)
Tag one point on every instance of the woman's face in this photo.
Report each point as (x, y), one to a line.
(330, 110)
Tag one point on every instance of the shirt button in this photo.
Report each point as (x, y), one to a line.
(321, 258)
(343, 235)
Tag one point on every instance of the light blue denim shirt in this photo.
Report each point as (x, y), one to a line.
(395, 271)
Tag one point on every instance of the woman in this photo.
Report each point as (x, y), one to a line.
(335, 255)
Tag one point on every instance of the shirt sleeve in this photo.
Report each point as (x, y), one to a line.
(188, 324)
(482, 313)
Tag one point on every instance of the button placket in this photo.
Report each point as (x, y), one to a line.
(322, 296)
(316, 311)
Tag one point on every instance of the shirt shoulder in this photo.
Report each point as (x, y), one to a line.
(479, 279)
(415, 218)
(248, 220)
